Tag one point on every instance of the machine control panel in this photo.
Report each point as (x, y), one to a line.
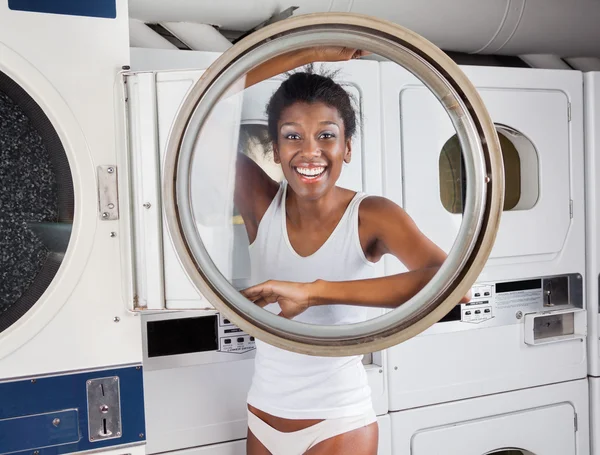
(502, 303)
(233, 339)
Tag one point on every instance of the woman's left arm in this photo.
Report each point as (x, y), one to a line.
(385, 229)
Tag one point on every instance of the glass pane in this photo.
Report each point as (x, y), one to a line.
(264, 160)
(36, 201)
(520, 172)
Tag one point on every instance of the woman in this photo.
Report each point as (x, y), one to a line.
(313, 246)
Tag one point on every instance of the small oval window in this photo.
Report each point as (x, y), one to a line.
(521, 172)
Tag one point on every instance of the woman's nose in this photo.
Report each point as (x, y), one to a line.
(311, 147)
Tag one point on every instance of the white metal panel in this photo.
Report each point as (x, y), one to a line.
(592, 177)
(73, 327)
(465, 360)
(542, 116)
(433, 369)
(541, 420)
(385, 435)
(196, 405)
(537, 102)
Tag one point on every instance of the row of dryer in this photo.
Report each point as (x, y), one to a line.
(508, 370)
(96, 310)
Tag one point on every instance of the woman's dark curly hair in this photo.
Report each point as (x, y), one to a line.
(309, 87)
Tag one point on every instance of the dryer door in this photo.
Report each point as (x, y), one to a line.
(544, 431)
(530, 199)
(534, 133)
(200, 168)
(36, 201)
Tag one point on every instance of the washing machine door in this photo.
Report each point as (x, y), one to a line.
(198, 182)
(36, 202)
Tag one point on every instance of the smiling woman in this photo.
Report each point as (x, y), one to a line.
(313, 247)
(313, 242)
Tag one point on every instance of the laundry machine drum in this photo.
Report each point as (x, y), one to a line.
(36, 202)
(481, 155)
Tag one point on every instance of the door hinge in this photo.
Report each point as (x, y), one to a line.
(569, 111)
(576, 423)
(108, 196)
(571, 208)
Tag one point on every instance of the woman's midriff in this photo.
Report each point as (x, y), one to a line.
(281, 424)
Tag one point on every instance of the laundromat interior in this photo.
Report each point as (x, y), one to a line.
(122, 253)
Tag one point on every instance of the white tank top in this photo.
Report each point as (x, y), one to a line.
(299, 386)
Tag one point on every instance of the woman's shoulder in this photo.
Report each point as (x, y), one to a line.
(375, 211)
(377, 205)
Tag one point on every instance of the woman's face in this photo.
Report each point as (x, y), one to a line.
(311, 148)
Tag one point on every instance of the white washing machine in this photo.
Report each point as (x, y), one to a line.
(592, 146)
(592, 136)
(526, 323)
(70, 352)
(212, 375)
(547, 420)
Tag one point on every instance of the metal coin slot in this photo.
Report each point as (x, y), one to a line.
(556, 291)
(104, 409)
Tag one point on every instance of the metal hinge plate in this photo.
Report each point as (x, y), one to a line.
(108, 195)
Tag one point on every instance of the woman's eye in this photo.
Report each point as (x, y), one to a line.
(327, 135)
(292, 136)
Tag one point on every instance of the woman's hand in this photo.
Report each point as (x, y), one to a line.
(335, 53)
(293, 298)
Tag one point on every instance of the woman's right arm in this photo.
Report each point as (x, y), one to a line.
(254, 189)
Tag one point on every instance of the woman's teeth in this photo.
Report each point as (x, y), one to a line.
(310, 171)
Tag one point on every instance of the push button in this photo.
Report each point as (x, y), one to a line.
(227, 341)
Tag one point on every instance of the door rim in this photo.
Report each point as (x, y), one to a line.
(484, 199)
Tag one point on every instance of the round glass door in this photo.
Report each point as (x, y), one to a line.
(36, 201)
(218, 141)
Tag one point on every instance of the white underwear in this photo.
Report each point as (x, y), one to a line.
(298, 442)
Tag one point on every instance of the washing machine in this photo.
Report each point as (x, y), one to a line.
(549, 420)
(526, 323)
(592, 128)
(176, 373)
(70, 352)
